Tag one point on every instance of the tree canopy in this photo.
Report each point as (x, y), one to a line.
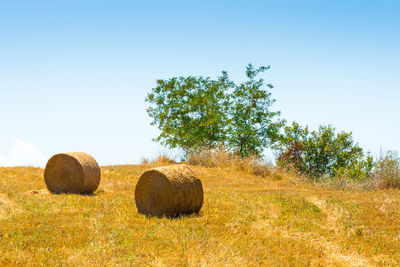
(194, 112)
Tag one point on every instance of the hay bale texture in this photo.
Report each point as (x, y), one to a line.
(74, 172)
(169, 191)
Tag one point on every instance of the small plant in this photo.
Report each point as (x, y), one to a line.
(387, 170)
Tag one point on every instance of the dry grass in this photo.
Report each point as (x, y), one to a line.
(212, 157)
(387, 171)
(221, 157)
(245, 220)
(160, 160)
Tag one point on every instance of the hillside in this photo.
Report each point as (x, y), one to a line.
(245, 220)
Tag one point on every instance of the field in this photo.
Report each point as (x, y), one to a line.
(245, 220)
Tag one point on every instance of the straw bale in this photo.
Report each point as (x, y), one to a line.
(169, 191)
(74, 172)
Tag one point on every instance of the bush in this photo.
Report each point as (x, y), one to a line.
(387, 171)
(323, 154)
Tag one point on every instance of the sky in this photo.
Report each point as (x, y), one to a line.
(74, 74)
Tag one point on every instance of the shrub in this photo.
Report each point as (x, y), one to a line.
(323, 154)
(387, 171)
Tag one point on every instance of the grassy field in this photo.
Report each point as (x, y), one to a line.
(245, 220)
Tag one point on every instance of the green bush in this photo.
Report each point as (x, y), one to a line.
(323, 154)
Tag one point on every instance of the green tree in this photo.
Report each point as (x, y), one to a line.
(196, 112)
(191, 112)
(324, 153)
(254, 126)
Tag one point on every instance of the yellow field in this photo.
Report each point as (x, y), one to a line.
(245, 220)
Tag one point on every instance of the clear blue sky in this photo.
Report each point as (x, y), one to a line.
(74, 74)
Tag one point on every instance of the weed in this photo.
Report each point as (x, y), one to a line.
(387, 171)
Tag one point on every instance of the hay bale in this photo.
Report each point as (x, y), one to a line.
(169, 191)
(74, 172)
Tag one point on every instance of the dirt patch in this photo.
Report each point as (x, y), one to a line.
(38, 192)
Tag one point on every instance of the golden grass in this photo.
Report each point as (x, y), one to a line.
(221, 157)
(245, 220)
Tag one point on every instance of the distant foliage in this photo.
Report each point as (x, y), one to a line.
(387, 170)
(197, 112)
(324, 153)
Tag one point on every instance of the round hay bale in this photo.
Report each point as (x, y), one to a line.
(74, 172)
(169, 191)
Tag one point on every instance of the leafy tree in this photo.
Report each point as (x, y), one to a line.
(254, 126)
(324, 153)
(195, 112)
(191, 112)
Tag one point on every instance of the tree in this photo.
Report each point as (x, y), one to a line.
(195, 112)
(324, 153)
(191, 112)
(253, 127)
